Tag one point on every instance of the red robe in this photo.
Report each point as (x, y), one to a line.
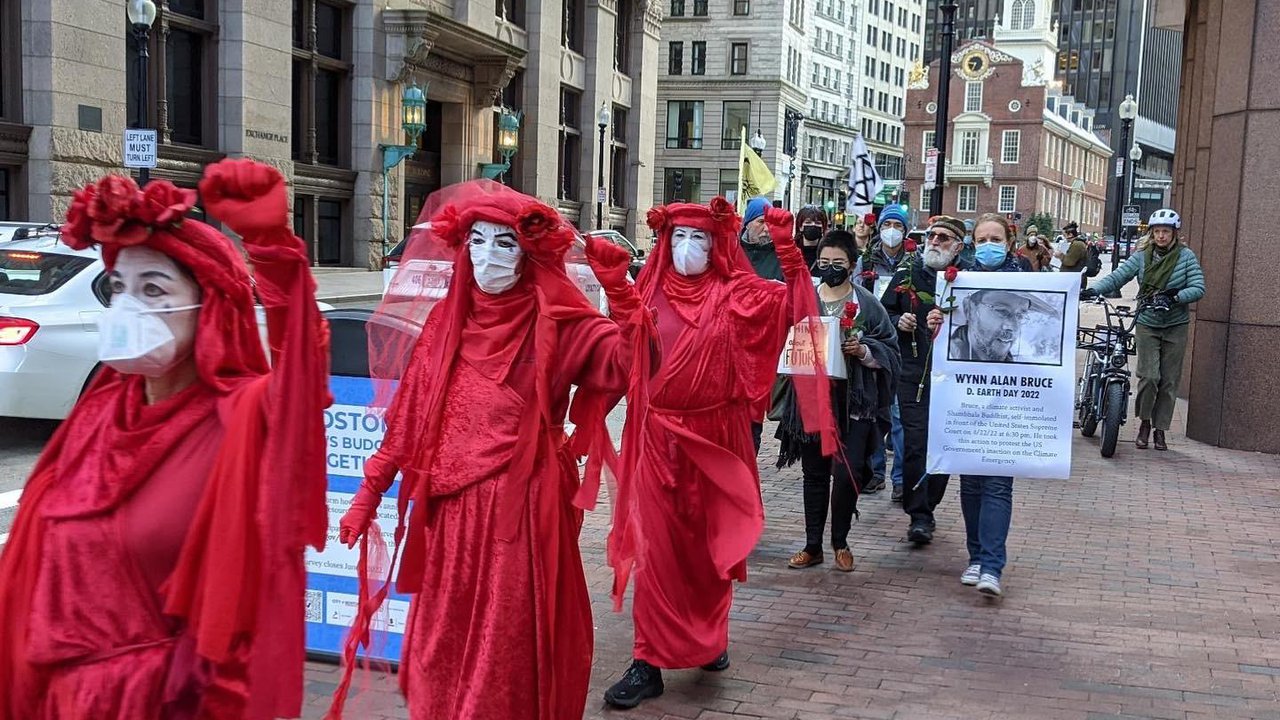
(111, 607)
(696, 513)
(500, 627)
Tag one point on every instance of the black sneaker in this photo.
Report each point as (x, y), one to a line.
(920, 534)
(897, 494)
(876, 485)
(720, 664)
(640, 682)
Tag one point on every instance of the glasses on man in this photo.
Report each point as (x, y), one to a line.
(938, 238)
(824, 264)
(1007, 314)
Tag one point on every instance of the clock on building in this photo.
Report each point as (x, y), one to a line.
(974, 64)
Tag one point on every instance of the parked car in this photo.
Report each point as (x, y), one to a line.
(10, 230)
(50, 299)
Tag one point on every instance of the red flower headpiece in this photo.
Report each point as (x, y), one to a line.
(540, 230)
(115, 212)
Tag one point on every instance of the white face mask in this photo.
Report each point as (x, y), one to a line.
(891, 237)
(1033, 240)
(133, 339)
(690, 250)
(495, 257)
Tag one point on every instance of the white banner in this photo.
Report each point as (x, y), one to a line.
(1003, 375)
(864, 181)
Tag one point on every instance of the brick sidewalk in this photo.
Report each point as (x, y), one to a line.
(1148, 586)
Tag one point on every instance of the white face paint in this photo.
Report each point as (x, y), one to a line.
(690, 250)
(151, 325)
(495, 256)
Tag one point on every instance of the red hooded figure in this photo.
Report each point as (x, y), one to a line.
(500, 623)
(689, 509)
(155, 569)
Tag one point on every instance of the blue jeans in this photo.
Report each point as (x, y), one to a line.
(987, 504)
(895, 438)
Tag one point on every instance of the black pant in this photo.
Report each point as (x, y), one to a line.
(918, 502)
(757, 430)
(829, 480)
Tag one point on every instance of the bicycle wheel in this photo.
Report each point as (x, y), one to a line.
(1112, 410)
(1086, 414)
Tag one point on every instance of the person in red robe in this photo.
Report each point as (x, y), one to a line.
(690, 510)
(499, 626)
(155, 567)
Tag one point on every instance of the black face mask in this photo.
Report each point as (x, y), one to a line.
(811, 232)
(834, 276)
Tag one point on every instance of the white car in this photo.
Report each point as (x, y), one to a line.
(50, 300)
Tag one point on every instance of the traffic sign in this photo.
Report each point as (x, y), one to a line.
(600, 195)
(1119, 167)
(931, 168)
(1131, 216)
(139, 148)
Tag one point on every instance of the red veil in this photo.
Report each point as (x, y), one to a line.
(238, 583)
(423, 365)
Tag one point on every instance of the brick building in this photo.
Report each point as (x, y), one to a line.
(1017, 146)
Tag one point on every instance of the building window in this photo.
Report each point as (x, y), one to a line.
(1010, 146)
(1008, 198)
(728, 188)
(511, 10)
(321, 90)
(698, 64)
(675, 58)
(969, 147)
(571, 24)
(622, 39)
(619, 167)
(570, 142)
(741, 7)
(736, 116)
(320, 222)
(11, 62)
(677, 8)
(183, 74)
(684, 125)
(738, 58)
(699, 8)
(973, 96)
(682, 185)
(967, 199)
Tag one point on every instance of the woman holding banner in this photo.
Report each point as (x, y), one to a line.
(500, 624)
(155, 569)
(986, 501)
(860, 401)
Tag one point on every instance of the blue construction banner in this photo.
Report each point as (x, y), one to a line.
(354, 431)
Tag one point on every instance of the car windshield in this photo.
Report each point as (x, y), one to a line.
(24, 272)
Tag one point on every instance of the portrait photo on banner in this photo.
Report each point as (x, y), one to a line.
(993, 325)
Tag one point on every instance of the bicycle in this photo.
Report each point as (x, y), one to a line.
(1102, 392)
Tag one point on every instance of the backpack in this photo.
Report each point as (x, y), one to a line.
(1093, 264)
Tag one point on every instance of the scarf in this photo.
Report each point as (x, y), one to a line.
(1159, 268)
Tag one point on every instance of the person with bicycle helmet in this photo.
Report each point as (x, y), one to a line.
(1169, 279)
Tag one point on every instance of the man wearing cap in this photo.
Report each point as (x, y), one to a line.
(1076, 256)
(1036, 251)
(993, 322)
(908, 310)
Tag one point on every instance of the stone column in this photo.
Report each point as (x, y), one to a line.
(646, 116)
(1225, 186)
(601, 21)
(540, 130)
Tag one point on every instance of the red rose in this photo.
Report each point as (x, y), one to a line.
(163, 204)
(77, 232)
(113, 211)
(846, 323)
(951, 273)
(536, 221)
(851, 309)
(910, 245)
(445, 224)
(721, 209)
(868, 275)
(869, 219)
(656, 218)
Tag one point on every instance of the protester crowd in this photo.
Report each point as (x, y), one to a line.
(118, 602)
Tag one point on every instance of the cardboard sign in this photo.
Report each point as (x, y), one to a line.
(805, 348)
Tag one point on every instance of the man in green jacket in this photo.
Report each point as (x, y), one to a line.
(1169, 276)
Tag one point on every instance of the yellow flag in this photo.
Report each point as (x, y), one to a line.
(754, 177)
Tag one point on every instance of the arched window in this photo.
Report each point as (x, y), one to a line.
(1015, 15)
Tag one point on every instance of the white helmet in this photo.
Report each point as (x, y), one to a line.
(1165, 216)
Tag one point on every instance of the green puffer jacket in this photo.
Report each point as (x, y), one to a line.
(1187, 279)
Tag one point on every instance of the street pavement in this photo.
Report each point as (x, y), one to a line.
(1147, 586)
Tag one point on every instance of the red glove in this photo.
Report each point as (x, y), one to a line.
(248, 196)
(355, 522)
(608, 261)
(781, 226)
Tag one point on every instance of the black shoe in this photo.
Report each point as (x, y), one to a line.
(720, 664)
(877, 484)
(897, 494)
(640, 682)
(920, 534)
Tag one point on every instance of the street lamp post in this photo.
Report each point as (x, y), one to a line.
(758, 143)
(602, 120)
(142, 13)
(1128, 110)
(413, 120)
(789, 142)
(804, 183)
(508, 145)
(1135, 155)
(948, 8)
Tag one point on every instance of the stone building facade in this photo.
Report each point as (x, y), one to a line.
(1016, 147)
(314, 87)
